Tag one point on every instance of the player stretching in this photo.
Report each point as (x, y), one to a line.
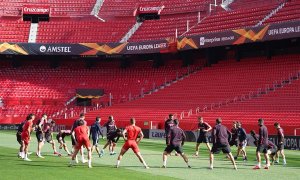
(280, 144)
(75, 125)
(19, 139)
(110, 129)
(48, 130)
(40, 134)
(220, 137)
(203, 128)
(27, 128)
(132, 141)
(61, 140)
(81, 137)
(176, 138)
(262, 145)
(242, 136)
(95, 133)
(272, 149)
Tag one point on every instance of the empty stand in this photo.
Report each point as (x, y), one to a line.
(35, 87)
(59, 8)
(289, 12)
(13, 30)
(238, 18)
(78, 30)
(220, 83)
(71, 22)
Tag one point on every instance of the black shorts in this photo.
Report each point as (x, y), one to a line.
(111, 140)
(233, 143)
(202, 139)
(95, 140)
(60, 139)
(167, 138)
(218, 147)
(243, 144)
(73, 141)
(48, 137)
(262, 148)
(19, 138)
(280, 146)
(273, 151)
(39, 136)
(177, 148)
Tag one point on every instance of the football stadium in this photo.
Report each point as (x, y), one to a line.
(143, 89)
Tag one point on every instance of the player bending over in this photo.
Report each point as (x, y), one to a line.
(132, 141)
(48, 131)
(272, 149)
(81, 136)
(220, 138)
(61, 140)
(176, 138)
(110, 129)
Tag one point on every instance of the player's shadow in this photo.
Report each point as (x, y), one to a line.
(128, 167)
(42, 165)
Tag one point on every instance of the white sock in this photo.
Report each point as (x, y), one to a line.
(26, 156)
(90, 162)
(144, 163)
(284, 161)
(165, 163)
(187, 163)
(118, 162)
(259, 164)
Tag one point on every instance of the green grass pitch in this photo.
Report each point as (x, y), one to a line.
(54, 167)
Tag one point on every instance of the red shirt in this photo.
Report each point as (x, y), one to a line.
(27, 127)
(133, 132)
(81, 132)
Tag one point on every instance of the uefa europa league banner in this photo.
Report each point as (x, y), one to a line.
(278, 31)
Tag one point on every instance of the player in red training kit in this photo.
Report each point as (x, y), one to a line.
(131, 142)
(27, 129)
(81, 137)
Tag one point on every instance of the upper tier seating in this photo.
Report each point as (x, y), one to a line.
(58, 8)
(71, 22)
(289, 12)
(89, 30)
(13, 30)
